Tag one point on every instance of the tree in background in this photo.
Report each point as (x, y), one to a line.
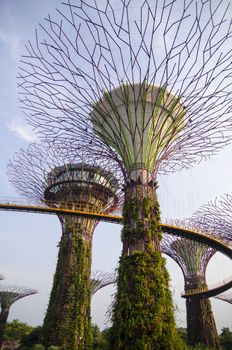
(226, 338)
(8, 296)
(57, 178)
(193, 258)
(101, 279)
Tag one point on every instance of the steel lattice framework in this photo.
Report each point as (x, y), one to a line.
(55, 177)
(193, 258)
(217, 214)
(225, 297)
(9, 295)
(101, 279)
(176, 54)
(33, 171)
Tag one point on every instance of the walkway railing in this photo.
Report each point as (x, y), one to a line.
(113, 215)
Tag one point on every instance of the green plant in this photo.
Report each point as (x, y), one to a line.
(142, 314)
(67, 322)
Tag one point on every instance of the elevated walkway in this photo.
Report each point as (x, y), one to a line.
(65, 208)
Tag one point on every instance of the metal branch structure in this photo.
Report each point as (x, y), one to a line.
(147, 84)
(92, 58)
(8, 296)
(101, 279)
(225, 297)
(193, 258)
(52, 176)
(217, 214)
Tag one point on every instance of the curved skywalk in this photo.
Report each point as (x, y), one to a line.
(18, 204)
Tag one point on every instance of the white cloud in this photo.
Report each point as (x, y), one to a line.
(13, 41)
(22, 130)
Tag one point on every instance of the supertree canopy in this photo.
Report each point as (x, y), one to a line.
(193, 258)
(225, 297)
(101, 279)
(8, 296)
(217, 214)
(52, 176)
(146, 83)
(146, 74)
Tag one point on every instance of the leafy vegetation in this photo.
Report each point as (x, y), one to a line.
(143, 311)
(67, 322)
(29, 337)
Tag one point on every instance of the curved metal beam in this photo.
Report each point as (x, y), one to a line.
(212, 242)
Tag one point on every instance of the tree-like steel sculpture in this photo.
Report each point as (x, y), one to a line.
(148, 84)
(101, 279)
(53, 176)
(8, 296)
(193, 258)
(217, 214)
(225, 297)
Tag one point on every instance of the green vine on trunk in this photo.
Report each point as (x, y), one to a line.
(67, 323)
(142, 314)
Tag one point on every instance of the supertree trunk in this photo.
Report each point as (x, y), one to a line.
(201, 327)
(3, 319)
(142, 315)
(68, 323)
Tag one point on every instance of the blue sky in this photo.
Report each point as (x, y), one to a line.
(28, 247)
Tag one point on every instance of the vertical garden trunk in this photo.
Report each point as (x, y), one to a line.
(67, 323)
(201, 327)
(3, 319)
(142, 315)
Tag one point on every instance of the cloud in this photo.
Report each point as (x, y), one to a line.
(22, 130)
(12, 41)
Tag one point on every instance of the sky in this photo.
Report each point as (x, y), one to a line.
(28, 242)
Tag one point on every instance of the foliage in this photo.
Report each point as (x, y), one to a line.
(17, 330)
(38, 347)
(143, 312)
(183, 333)
(67, 323)
(99, 339)
(32, 338)
(226, 338)
(201, 347)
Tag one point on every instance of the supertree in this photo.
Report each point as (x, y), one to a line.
(8, 296)
(148, 83)
(225, 297)
(101, 279)
(193, 258)
(52, 176)
(217, 214)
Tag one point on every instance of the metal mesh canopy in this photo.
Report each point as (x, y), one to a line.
(225, 297)
(191, 256)
(101, 279)
(9, 294)
(55, 176)
(161, 68)
(217, 214)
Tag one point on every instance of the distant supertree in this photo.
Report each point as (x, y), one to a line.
(193, 258)
(148, 83)
(101, 279)
(218, 215)
(8, 296)
(225, 297)
(52, 176)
